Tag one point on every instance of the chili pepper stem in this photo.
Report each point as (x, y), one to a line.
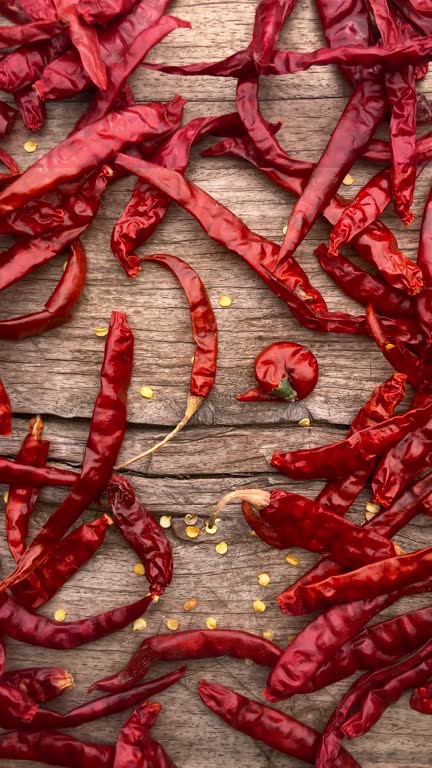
(193, 404)
(254, 496)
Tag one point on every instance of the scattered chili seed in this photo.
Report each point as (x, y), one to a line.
(221, 548)
(192, 531)
(348, 180)
(139, 569)
(211, 529)
(173, 625)
(30, 146)
(258, 606)
(100, 331)
(390, 346)
(147, 392)
(60, 615)
(263, 579)
(304, 422)
(6, 497)
(291, 638)
(253, 533)
(225, 301)
(191, 519)
(156, 598)
(372, 510)
(248, 662)
(211, 623)
(190, 604)
(292, 560)
(285, 229)
(268, 635)
(139, 625)
(165, 521)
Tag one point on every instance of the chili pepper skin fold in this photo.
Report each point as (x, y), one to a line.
(55, 749)
(13, 473)
(15, 707)
(11, 36)
(8, 116)
(107, 430)
(85, 39)
(101, 12)
(135, 748)
(421, 700)
(5, 412)
(396, 353)
(24, 65)
(269, 19)
(280, 731)
(143, 533)
(284, 371)
(42, 684)
(192, 644)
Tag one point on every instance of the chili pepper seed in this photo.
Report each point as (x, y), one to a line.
(191, 604)
(211, 623)
(192, 531)
(211, 529)
(225, 301)
(60, 615)
(147, 392)
(139, 569)
(248, 662)
(372, 510)
(348, 181)
(165, 521)
(268, 635)
(258, 606)
(30, 146)
(285, 229)
(304, 422)
(6, 497)
(292, 560)
(221, 548)
(263, 579)
(191, 519)
(101, 332)
(173, 625)
(139, 625)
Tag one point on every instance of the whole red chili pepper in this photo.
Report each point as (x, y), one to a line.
(424, 299)
(284, 371)
(262, 529)
(270, 17)
(143, 533)
(135, 748)
(363, 287)
(15, 706)
(66, 77)
(5, 412)
(65, 560)
(55, 749)
(27, 627)
(107, 430)
(204, 331)
(24, 65)
(42, 684)
(101, 11)
(85, 39)
(25, 34)
(11, 472)
(7, 118)
(192, 644)
(31, 108)
(397, 354)
(421, 700)
(280, 731)
(376, 244)
(58, 308)
(106, 705)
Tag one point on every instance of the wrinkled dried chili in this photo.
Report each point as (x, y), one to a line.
(284, 371)
(42, 684)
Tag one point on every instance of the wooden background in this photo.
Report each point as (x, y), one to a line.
(229, 443)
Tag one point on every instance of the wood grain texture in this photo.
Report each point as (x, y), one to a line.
(229, 443)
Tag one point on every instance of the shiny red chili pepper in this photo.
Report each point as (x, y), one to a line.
(8, 116)
(276, 729)
(11, 472)
(421, 700)
(24, 65)
(407, 9)
(107, 430)
(270, 17)
(31, 108)
(34, 218)
(85, 39)
(135, 748)
(347, 24)
(422, 6)
(192, 644)
(143, 533)
(14, 12)
(101, 11)
(262, 529)
(10, 164)
(353, 452)
(64, 561)
(284, 371)
(424, 299)
(363, 287)
(58, 308)
(204, 331)
(45, 9)
(395, 352)
(5, 412)
(55, 749)
(25, 34)
(15, 707)
(42, 684)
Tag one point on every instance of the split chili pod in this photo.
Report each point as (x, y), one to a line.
(284, 371)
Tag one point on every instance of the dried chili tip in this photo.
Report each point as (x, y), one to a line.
(36, 427)
(65, 683)
(193, 404)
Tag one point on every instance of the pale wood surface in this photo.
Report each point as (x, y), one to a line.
(230, 443)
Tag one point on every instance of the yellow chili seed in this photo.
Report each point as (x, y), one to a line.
(263, 579)
(291, 638)
(192, 531)
(304, 423)
(225, 301)
(147, 392)
(190, 604)
(248, 662)
(211, 623)
(372, 510)
(101, 332)
(30, 146)
(268, 635)
(221, 548)
(139, 625)
(156, 598)
(65, 265)
(191, 519)
(348, 180)
(173, 625)
(258, 606)
(285, 229)
(6, 497)
(139, 569)
(211, 529)
(165, 521)
(292, 560)
(253, 533)
(390, 346)
(60, 615)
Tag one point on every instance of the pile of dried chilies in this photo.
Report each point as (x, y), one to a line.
(57, 49)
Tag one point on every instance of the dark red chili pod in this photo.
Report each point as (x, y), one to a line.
(284, 371)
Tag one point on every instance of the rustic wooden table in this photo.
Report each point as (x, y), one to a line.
(229, 444)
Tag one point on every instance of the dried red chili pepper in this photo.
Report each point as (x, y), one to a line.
(34, 218)
(284, 371)
(24, 65)
(7, 118)
(64, 561)
(25, 34)
(376, 244)
(407, 9)
(396, 353)
(280, 731)
(101, 11)
(262, 529)
(5, 412)
(88, 149)
(424, 299)
(107, 429)
(45, 9)
(31, 108)
(55, 749)
(143, 533)
(58, 308)
(422, 6)
(363, 287)
(42, 684)
(204, 331)
(106, 705)
(11, 472)
(192, 644)
(347, 24)
(65, 77)
(13, 11)
(85, 39)
(15, 707)
(135, 748)
(421, 700)
(269, 19)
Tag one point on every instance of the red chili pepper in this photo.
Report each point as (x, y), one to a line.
(424, 299)
(29, 33)
(276, 729)
(192, 644)
(262, 529)
(396, 353)
(65, 77)
(13, 11)
(347, 24)
(34, 218)
(13, 473)
(106, 705)
(204, 331)
(15, 707)
(107, 429)
(45, 9)
(7, 118)
(86, 41)
(135, 748)
(421, 700)
(24, 65)
(64, 561)
(42, 684)
(376, 244)
(55, 749)
(407, 9)
(101, 11)
(143, 533)
(269, 19)
(31, 108)
(58, 308)
(284, 371)
(422, 6)
(5, 412)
